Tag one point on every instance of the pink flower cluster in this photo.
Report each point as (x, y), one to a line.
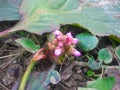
(64, 44)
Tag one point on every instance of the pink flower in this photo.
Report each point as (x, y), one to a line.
(68, 38)
(65, 44)
(58, 51)
(74, 41)
(69, 35)
(60, 43)
(74, 52)
(57, 32)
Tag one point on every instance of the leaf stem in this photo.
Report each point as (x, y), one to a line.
(26, 75)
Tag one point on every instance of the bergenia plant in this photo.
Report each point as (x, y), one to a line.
(60, 47)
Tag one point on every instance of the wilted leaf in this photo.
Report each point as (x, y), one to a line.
(117, 52)
(93, 64)
(105, 55)
(40, 80)
(87, 41)
(102, 83)
(28, 44)
(9, 9)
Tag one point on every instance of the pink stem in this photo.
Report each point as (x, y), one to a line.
(5, 33)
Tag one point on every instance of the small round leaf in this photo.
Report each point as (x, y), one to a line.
(93, 64)
(117, 52)
(87, 41)
(105, 55)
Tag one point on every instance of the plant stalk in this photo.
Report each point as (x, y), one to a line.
(26, 75)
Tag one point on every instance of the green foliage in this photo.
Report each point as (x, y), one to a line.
(28, 44)
(40, 16)
(81, 88)
(100, 19)
(93, 64)
(9, 9)
(105, 55)
(117, 52)
(115, 38)
(47, 15)
(87, 41)
(89, 73)
(102, 83)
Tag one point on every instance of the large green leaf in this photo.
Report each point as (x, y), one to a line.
(28, 44)
(87, 41)
(105, 55)
(41, 16)
(9, 9)
(102, 83)
(101, 17)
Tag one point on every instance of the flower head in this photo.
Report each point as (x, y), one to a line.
(64, 44)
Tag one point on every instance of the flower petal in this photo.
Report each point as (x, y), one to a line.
(74, 41)
(57, 32)
(74, 52)
(58, 51)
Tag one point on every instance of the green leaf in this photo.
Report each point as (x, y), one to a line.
(93, 64)
(81, 88)
(102, 83)
(40, 16)
(117, 52)
(105, 55)
(9, 9)
(28, 44)
(87, 41)
(101, 17)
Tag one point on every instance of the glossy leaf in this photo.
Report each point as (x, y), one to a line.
(102, 83)
(28, 44)
(9, 9)
(117, 52)
(105, 55)
(40, 80)
(87, 41)
(93, 64)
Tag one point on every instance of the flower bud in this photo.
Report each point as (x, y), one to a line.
(60, 43)
(74, 41)
(74, 52)
(57, 32)
(58, 51)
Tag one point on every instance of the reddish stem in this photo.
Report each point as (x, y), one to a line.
(4, 33)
